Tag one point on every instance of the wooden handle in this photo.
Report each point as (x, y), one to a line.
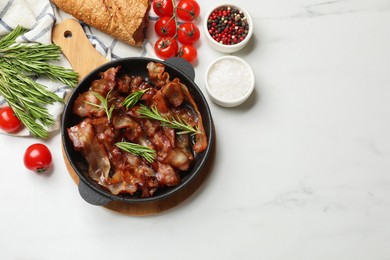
(76, 47)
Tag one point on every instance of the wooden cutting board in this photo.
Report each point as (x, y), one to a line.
(83, 58)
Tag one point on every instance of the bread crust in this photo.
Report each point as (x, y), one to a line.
(125, 20)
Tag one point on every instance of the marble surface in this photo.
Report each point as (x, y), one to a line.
(302, 168)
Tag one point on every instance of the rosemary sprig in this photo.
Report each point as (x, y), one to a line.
(175, 123)
(133, 98)
(32, 59)
(104, 103)
(19, 64)
(148, 153)
(10, 38)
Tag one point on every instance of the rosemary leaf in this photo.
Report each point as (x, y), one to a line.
(104, 103)
(175, 123)
(139, 150)
(133, 98)
(10, 38)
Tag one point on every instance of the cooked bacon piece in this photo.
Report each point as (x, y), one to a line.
(147, 97)
(173, 92)
(143, 140)
(161, 144)
(180, 156)
(103, 130)
(106, 82)
(178, 159)
(84, 139)
(166, 175)
(136, 82)
(117, 185)
(132, 129)
(133, 175)
(123, 84)
(117, 102)
(156, 74)
(187, 115)
(183, 143)
(201, 138)
(124, 121)
(158, 101)
(81, 135)
(82, 108)
(170, 133)
(150, 126)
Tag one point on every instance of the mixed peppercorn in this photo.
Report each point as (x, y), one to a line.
(228, 25)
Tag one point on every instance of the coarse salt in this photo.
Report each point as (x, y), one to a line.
(229, 79)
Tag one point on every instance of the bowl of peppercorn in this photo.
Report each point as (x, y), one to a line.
(228, 28)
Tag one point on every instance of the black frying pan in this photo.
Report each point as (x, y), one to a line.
(92, 192)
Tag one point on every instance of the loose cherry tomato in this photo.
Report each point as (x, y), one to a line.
(188, 33)
(187, 52)
(163, 7)
(166, 47)
(188, 10)
(8, 121)
(37, 158)
(165, 26)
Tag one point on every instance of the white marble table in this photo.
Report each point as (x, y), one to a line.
(302, 169)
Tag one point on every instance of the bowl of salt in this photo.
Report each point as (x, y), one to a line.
(229, 81)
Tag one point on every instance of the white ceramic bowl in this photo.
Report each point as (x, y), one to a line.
(229, 81)
(223, 47)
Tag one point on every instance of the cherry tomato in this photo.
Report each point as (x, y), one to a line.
(188, 33)
(37, 158)
(166, 47)
(163, 7)
(8, 121)
(188, 10)
(187, 52)
(165, 26)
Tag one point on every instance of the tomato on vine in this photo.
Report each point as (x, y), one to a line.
(188, 53)
(37, 158)
(188, 10)
(8, 121)
(175, 28)
(165, 26)
(188, 33)
(166, 47)
(163, 7)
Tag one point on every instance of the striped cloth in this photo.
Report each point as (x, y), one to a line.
(40, 17)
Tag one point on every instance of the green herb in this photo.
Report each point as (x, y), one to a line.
(19, 64)
(139, 150)
(133, 98)
(175, 123)
(104, 103)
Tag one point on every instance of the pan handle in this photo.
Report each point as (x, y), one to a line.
(182, 65)
(91, 196)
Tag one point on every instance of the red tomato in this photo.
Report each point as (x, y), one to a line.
(37, 158)
(187, 52)
(165, 26)
(163, 7)
(166, 47)
(8, 121)
(188, 33)
(188, 10)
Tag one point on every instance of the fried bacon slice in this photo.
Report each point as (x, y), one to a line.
(84, 139)
(157, 74)
(106, 82)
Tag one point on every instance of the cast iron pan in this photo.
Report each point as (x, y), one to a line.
(95, 194)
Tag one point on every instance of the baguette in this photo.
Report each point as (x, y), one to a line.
(125, 20)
